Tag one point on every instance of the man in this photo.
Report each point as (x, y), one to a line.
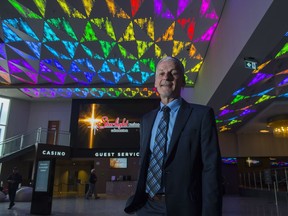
(13, 183)
(190, 181)
(92, 182)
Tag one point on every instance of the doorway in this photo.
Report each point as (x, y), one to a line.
(52, 133)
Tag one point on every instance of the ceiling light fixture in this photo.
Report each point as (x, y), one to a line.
(279, 124)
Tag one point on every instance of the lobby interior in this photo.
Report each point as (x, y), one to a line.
(52, 53)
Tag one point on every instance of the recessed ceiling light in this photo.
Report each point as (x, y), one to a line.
(264, 131)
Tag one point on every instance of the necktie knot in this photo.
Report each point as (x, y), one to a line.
(166, 111)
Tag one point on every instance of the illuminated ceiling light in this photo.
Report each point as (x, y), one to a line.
(279, 124)
(264, 131)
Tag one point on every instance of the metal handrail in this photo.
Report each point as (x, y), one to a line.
(29, 138)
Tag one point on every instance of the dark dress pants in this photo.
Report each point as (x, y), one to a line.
(153, 208)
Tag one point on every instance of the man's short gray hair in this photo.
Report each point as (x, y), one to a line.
(177, 62)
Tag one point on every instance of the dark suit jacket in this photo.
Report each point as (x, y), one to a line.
(192, 167)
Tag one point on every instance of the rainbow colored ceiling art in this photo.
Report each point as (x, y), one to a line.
(266, 84)
(92, 48)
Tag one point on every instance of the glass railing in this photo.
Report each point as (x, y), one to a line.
(40, 135)
(268, 179)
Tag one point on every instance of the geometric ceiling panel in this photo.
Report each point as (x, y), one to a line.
(266, 84)
(88, 43)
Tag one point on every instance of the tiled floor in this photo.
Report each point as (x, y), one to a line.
(109, 206)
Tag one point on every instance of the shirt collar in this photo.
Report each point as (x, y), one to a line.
(173, 105)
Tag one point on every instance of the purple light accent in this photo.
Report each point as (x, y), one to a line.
(212, 15)
(43, 68)
(204, 7)
(13, 68)
(247, 111)
(284, 82)
(158, 7)
(61, 76)
(225, 112)
(3, 51)
(208, 34)
(258, 77)
(182, 5)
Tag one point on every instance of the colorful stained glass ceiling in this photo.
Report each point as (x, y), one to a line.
(88, 43)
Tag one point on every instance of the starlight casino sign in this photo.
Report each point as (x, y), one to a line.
(108, 125)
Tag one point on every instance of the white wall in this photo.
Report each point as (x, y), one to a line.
(29, 115)
(238, 21)
(43, 112)
(18, 117)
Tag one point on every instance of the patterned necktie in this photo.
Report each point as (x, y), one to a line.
(154, 174)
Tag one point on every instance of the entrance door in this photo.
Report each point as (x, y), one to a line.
(53, 130)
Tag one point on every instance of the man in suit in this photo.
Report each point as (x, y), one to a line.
(190, 183)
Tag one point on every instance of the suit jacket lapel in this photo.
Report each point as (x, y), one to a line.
(181, 120)
(149, 121)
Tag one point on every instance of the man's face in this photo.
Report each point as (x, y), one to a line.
(168, 80)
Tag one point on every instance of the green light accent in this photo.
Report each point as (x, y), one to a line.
(106, 47)
(125, 54)
(58, 23)
(24, 11)
(158, 52)
(41, 4)
(49, 34)
(264, 98)
(197, 67)
(105, 23)
(142, 47)
(282, 51)
(149, 63)
(188, 82)
(234, 122)
(239, 98)
(117, 92)
(89, 34)
(218, 121)
(128, 92)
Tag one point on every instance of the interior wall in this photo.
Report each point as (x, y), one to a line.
(263, 145)
(18, 117)
(43, 111)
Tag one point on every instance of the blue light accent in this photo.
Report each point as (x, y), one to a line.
(70, 47)
(97, 92)
(35, 47)
(238, 91)
(9, 35)
(28, 30)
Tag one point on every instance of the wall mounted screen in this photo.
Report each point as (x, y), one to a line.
(108, 125)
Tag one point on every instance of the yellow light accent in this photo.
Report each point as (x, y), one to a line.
(88, 5)
(177, 47)
(118, 12)
(168, 35)
(279, 124)
(41, 4)
(142, 47)
(128, 34)
(260, 67)
(146, 25)
(264, 131)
